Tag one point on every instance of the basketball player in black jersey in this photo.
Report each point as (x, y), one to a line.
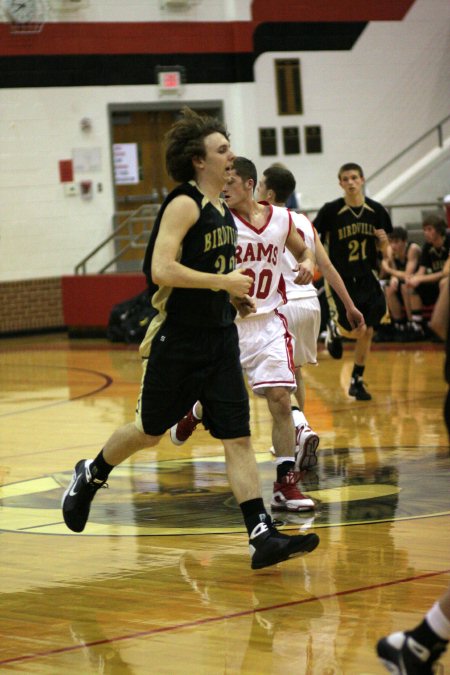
(418, 650)
(191, 351)
(433, 266)
(402, 261)
(355, 229)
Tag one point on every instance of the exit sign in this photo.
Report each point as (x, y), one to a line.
(170, 80)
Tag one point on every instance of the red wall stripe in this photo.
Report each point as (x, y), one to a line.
(129, 38)
(324, 10)
(170, 37)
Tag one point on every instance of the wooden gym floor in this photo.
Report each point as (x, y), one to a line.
(160, 580)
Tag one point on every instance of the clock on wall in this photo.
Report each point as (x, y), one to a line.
(21, 11)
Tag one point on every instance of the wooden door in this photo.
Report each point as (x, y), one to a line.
(146, 129)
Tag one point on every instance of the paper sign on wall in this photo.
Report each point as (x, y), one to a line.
(126, 169)
(86, 159)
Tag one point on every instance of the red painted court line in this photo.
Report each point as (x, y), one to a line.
(216, 619)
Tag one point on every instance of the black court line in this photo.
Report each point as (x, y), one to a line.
(107, 383)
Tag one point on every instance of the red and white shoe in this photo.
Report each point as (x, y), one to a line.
(307, 444)
(182, 430)
(287, 497)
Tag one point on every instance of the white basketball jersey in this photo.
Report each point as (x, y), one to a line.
(260, 253)
(306, 230)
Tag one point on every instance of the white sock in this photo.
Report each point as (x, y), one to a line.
(438, 622)
(298, 417)
(280, 460)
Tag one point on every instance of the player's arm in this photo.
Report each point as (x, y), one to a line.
(333, 277)
(440, 318)
(179, 216)
(421, 278)
(412, 262)
(413, 280)
(387, 265)
(320, 222)
(383, 242)
(303, 255)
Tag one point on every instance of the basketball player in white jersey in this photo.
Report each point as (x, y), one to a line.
(265, 343)
(302, 310)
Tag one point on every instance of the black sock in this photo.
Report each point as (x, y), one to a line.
(357, 372)
(99, 468)
(284, 468)
(254, 512)
(425, 636)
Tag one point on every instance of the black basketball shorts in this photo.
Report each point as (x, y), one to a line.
(188, 364)
(368, 297)
(428, 293)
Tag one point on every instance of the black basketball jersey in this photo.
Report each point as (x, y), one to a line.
(209, 246)
(349, 234)
(400, 265)
(434, 259)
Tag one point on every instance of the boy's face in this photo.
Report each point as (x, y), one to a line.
(398, 246)
(218, 158)
(431, 235)
(236, 190)
(352, 183)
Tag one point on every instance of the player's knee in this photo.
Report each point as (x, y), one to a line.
(279, 400)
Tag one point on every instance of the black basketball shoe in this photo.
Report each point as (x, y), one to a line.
(333, 341)
(269, 547)
(76, 501)
(401, 654)
(358, 390)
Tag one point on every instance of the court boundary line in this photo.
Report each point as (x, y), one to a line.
(215, 619)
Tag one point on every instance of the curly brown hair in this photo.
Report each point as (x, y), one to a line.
(185, 140)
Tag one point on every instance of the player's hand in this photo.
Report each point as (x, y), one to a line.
(244, 306)
(237, 283)
(355, 318)
(412, 282)
(305, 273)
(381, 236)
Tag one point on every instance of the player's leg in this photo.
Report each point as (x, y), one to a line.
(303, 317)
(415, 651)
(161, 401)
(267, 545)
(226, 414)
(396, 309)
(184, 428)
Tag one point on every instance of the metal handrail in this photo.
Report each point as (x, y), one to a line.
(134, 241)
(131, 245)
(437, 127)
(133, 216)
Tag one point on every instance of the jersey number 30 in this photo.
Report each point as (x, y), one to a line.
(262, 283)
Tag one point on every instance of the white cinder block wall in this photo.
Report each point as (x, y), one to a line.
(371, 103)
